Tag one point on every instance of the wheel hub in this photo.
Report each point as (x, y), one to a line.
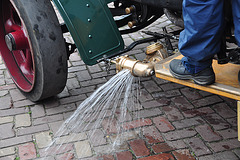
(11, 44)
(16, 40)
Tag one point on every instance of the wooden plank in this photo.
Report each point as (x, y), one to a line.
(226, 84)
(238, 119)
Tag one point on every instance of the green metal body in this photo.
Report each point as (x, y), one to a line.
(92, 27)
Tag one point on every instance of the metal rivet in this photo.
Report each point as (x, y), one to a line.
(87, 5)
(89, 36)
(89, 20)
(90, 51)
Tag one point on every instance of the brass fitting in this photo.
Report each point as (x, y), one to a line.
(143, 68)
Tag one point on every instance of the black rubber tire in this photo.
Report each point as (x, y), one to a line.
(48, 47)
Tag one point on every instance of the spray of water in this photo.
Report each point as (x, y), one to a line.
(107, 108)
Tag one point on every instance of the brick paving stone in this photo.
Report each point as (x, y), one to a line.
(198, 147)
(6, 131)
(163, 156)
(182, 103)
(124, 136)
(237, 152)
(32, 129)
(160, 81)
(171, 86)
(152, 135)
(72, 83)
(207, 133)
(7, 151)
(106, 157)
(83, 76)
(73, 99)
(104, 149)
(172, 112)
(205, 94)
(110, 125)
(163, 101)
(191, 93)
(37, 111)
(13, 112)
(56, 150)
(93, 82)
(163, 124)
(78, 63)
(3, 93)
(225, 145)
(23, 103)
(48, 119)
(147, 113)
(83, 149)
(151, 86)
(229, 101)
(183, 154)
(5, 102)
(82, 90)
(64, 93)
(207, 101)
(51, 103)
(76, 69)
(152, 104)
(179, 134)
(55, 126)
(139, 148)
(75, 57)
(185, 123)
(27, 151)
(136, 124)
(224, 110)
(227, 155)
(16, 95)
(178, 144)
(22, 120)
(73, 137)
(232, 121)
(97, 137)
(145, 96)
(94, 68)
(228, 133)
(122, 115)
(162, 147)
(4, 120)
(167, 94)
(198, 112)
(8, 158)
(43, 139)
(216, 121)
(126, 155)
(15, 141)
(65, 156)
(61, 109)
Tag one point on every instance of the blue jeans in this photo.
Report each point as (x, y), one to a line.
(204, 25)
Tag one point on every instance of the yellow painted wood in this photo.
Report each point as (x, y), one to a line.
(238, 119)
(226, 84)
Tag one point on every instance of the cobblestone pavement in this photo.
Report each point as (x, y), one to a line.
(181, 123)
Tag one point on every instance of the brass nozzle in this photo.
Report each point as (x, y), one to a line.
(138, 68)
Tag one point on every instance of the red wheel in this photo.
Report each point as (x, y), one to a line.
(32, 45)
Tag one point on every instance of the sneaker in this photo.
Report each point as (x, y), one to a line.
(204, 77)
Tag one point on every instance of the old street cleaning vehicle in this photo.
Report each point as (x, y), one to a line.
(35, 52)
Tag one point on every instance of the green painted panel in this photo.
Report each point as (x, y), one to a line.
(92, 27)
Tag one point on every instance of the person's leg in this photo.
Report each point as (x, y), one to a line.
(236, 19)
(201, 38)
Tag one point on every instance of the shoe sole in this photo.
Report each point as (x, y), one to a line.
(200, 80)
